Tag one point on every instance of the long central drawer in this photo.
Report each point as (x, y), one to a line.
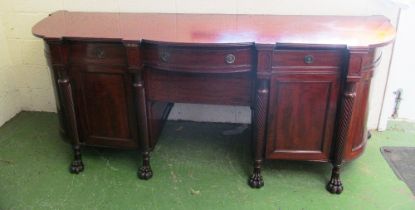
(219, 59)
(212, 74)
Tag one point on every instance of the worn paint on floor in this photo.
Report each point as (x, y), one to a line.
(195, 168)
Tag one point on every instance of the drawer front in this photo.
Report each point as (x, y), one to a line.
(201, 59)
(221, 89)
(294, 58)
(98, 53)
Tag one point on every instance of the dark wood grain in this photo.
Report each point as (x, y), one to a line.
(230, 89)
(105, 102)
(302, 115)
(295, 58)
(306, 79)
(58, 61)
(345, 112)
(259, 125)
(353, 31)
(103, 94)
(260, 112)
(357, 138)
(199, 59)
(98, 53)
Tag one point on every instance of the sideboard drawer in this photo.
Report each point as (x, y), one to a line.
(294, 58)
(98, 53)
(201, 59)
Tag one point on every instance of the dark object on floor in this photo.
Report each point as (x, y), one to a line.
(401, 160)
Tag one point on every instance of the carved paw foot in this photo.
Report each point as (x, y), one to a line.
(145, 172)
(335, 186)
(76, 167)
(256, 181)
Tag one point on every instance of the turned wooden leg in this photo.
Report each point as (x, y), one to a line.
(145, 171)
(68, 107)
(259, 124)
(335, 184)
(76, 166)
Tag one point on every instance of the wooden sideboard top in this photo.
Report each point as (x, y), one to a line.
(352, 31)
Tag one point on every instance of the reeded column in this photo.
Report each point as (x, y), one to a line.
(352, 75)
(136, 68)
(57, 55)
(260, 111)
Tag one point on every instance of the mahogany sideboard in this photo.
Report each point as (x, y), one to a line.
(306, 79)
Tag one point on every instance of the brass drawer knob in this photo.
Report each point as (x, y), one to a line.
(308, 59)
(230, 58)
(164, 56)
(99, 53)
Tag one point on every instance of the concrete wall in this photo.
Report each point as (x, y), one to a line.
(32, 79)
(402, 71)
(9, 93)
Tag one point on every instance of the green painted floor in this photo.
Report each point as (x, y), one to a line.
(195, 168)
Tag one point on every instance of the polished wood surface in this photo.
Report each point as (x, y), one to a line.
(289, 59)
(302, 115)
(199, 59)
(353, 31)
(233, 89)
(306, 79)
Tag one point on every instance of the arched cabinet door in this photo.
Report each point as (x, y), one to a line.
(357, 137)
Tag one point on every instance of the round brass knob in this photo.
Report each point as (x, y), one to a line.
(99, 53)
(164, 56)
(230, 58)
(308, 59)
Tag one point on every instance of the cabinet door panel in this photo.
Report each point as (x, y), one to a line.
(105, 105)
(301, 116)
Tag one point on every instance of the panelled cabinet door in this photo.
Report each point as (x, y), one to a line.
(302, 114)
(103, 96)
